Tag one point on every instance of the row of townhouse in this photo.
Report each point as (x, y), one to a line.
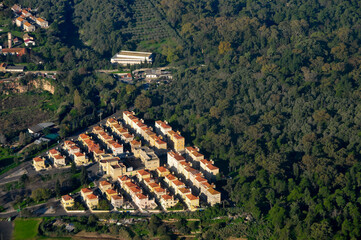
(135, 192)
(197, 159)
(115, 199)
(58, 159)
(91, 200)
(146, 132)
(75, 153)
(119, 130)
(112, 145)
(182, 191)
(25, 15)
(194, 178)
(91, 146)
(174, 139)
(165, 199)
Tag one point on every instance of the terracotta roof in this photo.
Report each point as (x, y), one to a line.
(124, 178)
(117, 197)
(178, 183)
(184, 190)
(20, 19)
(212, 167)
(67, 197)
(191, 197)
(27, 24)
(159, 189)
(167, 197)
(153, 185)
(79, 154)
(135, 189)
(91, 196)
(141, 196)
(200, 179)
(38, 159)
(86, 190)
(130, 184)
(110, 191)
(213, 191)
(171, 177)
(104, 183)
(67, 142)
(176, 156)
(162, 169)
(53, 151)
(143, 172)
(58, 156)
(84, 136)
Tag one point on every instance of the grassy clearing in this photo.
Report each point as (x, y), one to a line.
(26, 228)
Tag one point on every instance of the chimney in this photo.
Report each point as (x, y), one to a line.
(9, 39)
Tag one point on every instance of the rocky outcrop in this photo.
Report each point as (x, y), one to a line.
(17, 86)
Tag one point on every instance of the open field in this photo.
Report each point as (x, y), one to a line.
(26, 228)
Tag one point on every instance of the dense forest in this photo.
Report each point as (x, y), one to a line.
(270, 90)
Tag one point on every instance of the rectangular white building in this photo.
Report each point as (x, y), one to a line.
(131, 57)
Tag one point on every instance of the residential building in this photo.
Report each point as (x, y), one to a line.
(104, 185)
(19, 21)
(208, 168)
(14, 51)
(39, 163)
(176, 141)
(28, 27)
(67, 201)
(162, 171)
(162, 128)
(85, 192)
(80, 159)
(167, 201)
(109, 193)
(192, 201)
(148, 157)
(213, 196)
(117, 201)
(42, 23)
(58, 159)
(193, 156)
(92, 201)
(131, 57)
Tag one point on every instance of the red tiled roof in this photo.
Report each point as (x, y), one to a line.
(67, 197)
(91, 196)
(86, 190)
(162, 169)
(191, 197)
(104, 183)
(38, 159)
(110, 191)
